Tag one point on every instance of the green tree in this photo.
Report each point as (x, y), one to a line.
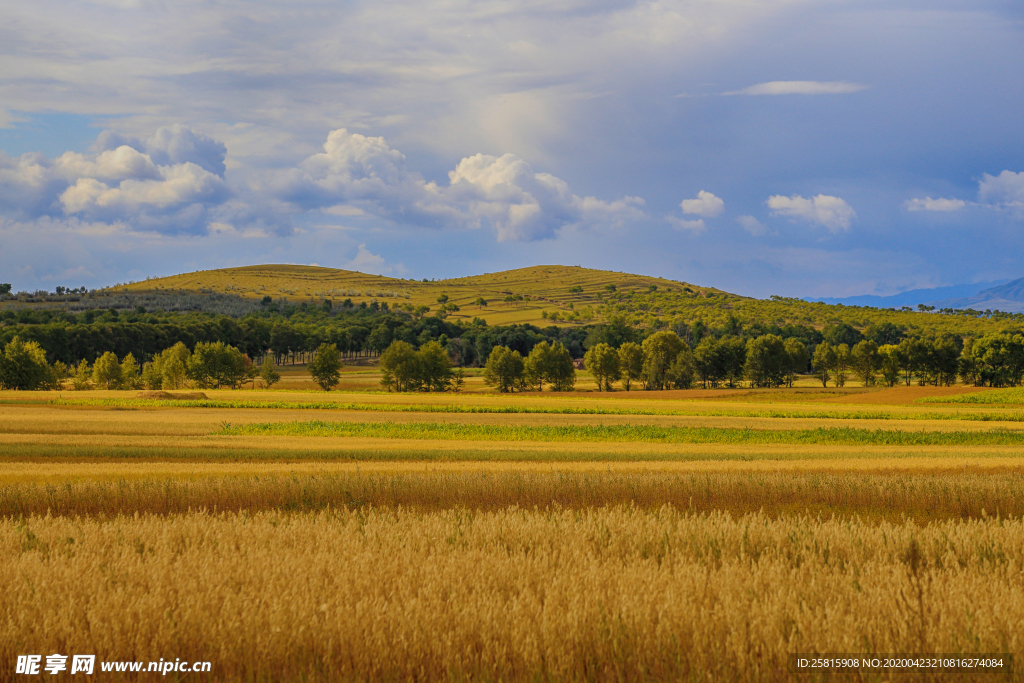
(660, 350)
(550, 363)
(175, 372)
(841, 366)
(434, 367)
(631, 364)
(214, 364)
(130, 373)
(58, 373)
(535, 371)
(268, 373)
(151, 378)
(842, 333)
(172, 365)
(442, 299)
(823, 362)
(560, 368)
(326, 366)
(5, 288)
(865, 361)
(680, 373)
(398, 364)
(767, 363)
(707, 362)
(504, 369)
(380, 338)
(889, 364)
(797, 356)
(23, 366)
(732, 359)
(912, 353)
(106, 371)
(480, 302)
(603, 363)
(82, 379)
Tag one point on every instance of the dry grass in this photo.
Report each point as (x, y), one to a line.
(137, 532)
(866, 496)
(612, 594)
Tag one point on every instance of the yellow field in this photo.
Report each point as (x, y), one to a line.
(142, 530)
(515, 595)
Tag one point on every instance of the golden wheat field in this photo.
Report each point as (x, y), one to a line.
(699, 536)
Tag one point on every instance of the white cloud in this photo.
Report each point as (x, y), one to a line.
(177, 185)
(366, 261)
(520, 204)
(753, 226)
(800, 88)
(696, 227)
(941, 204)
(706, 204)
(120, 181)
(830, 212)
(1006, 189)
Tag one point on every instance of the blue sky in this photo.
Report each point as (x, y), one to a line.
(801, 148)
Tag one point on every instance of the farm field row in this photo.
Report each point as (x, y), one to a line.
(927, 490)
(516, 594)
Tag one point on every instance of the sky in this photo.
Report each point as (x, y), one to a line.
(810, 148)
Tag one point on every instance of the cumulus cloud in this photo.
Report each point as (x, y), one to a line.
(356, 173)
(800, 88)
(1006, 189)
(171, 145)
(753, 226)
(167, 183)
(829, 212)
(941, 204)
(706, 204)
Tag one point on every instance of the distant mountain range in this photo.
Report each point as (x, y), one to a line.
(1008, 297)
(998, 295)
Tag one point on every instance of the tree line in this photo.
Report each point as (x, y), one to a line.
(43, 350)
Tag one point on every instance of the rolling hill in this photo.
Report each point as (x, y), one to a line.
(567, 290)
(561, 295)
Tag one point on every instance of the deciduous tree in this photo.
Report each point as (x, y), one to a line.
(326, 366)
(631, 364)
(504, 369)
(603, 363)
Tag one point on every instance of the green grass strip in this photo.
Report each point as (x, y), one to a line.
(996, 396)
(537, 410)
(624, 433)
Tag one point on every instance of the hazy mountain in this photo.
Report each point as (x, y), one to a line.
(1008, 297)
(914, 297)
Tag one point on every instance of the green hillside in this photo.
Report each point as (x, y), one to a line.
(562, 295)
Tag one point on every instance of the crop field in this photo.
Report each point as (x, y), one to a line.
(359, 535)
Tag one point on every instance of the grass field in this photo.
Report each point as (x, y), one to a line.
(358, 535)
